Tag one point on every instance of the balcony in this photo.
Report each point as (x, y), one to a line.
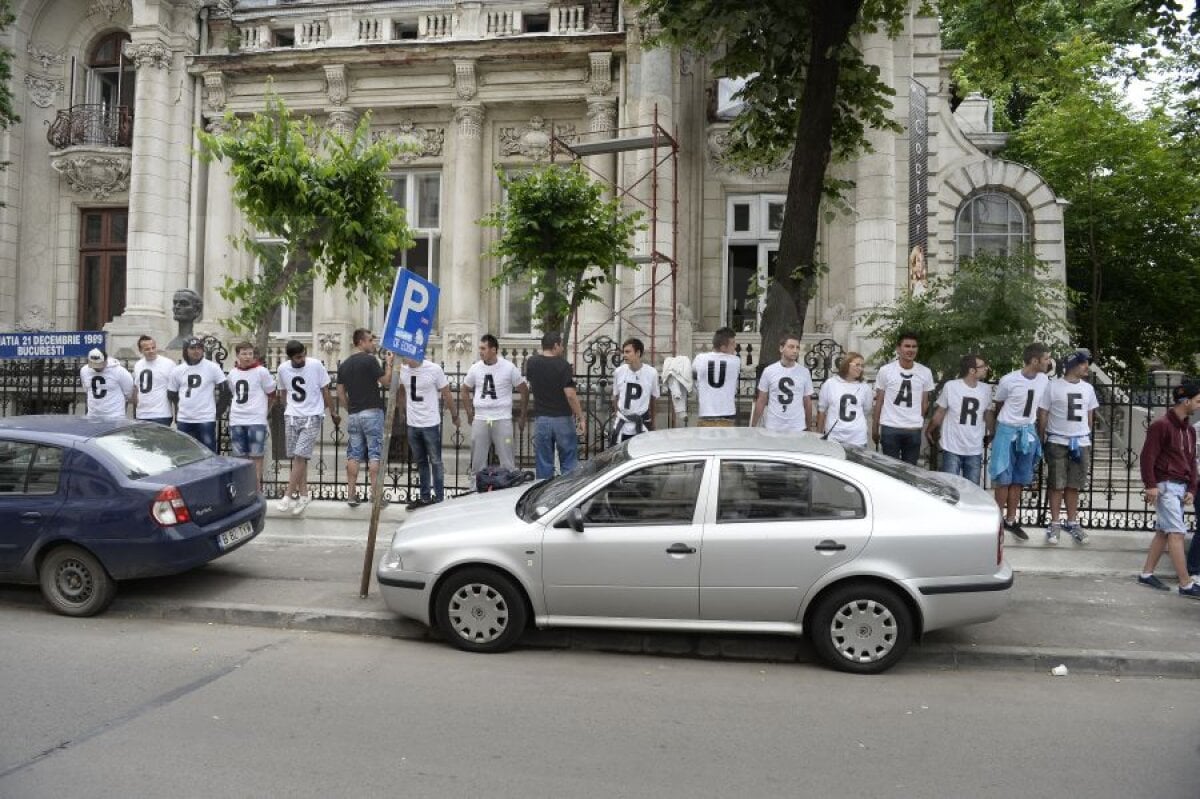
(92, 149)
(92, 125)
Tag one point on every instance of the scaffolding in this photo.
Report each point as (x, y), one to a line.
(664, 269)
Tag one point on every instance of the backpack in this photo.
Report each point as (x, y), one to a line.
(493, 478)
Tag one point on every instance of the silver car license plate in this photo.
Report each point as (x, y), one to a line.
(230, 537)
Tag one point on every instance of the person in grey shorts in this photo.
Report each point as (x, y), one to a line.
(1065, 418)
(487, 397)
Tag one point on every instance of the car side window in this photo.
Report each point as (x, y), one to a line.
(664, 493)
(44, 471)
(775, 491)
(14, 466)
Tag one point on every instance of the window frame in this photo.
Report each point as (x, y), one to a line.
(719, 498)
(698, 461)
(35, 450)
(758, 234)
(1022, 240)
(288, 327)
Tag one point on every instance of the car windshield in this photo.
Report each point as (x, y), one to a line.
(148, 450)
(539, 500)
(917, 478)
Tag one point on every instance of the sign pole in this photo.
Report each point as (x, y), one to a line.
(377, 486)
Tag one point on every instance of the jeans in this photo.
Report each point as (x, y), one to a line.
(364, 435)
(968, 466)
(901, 442)
(552, 433)
(425, 443)
(1193, 553)
(204, 432)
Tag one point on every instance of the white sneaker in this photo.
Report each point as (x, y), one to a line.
(300, 504)
(1052, 534)
(284, 505)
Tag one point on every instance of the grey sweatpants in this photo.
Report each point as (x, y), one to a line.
(498, 434)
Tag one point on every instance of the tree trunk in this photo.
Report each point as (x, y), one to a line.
(788, 296)
(262, 327)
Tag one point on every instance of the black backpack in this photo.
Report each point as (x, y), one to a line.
(493, 478)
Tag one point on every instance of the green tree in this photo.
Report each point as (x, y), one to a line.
(809, 95)
(325, 196)
(991, 306)
(7, 115)
(559, 233)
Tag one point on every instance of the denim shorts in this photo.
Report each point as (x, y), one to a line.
(248, 440)
(301, 434)
(1168, 510)
(1020, 468)
(364, 435)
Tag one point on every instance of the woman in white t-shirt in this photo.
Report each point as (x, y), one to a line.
(850, 400)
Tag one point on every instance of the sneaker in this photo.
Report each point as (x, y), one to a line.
(1153, 582)
(1018, 532)
(300, 503)
(1052, 534)
(1192, 590)
(284, 505)
(355, 500)
(419, 502)
(1074, 530)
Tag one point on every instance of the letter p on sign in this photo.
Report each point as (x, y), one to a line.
(416, 300)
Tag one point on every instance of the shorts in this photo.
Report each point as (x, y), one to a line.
(716, 421)
(364, 435)
(248, 440)
(204, 432)
(1065, 472)
(301, 434)
(1020, 468)
(1168, 511)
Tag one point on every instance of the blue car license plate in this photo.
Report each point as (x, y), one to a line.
(230, 537)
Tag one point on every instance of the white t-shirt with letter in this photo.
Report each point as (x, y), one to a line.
(151, 378)
(302, 387)
(785, 387)
(963, 426)
(422, 393)
(492, 386)
(903, 394)
(1021, 397)
(716, 383)
(194, 383)
(251, 389)
(1068, 406)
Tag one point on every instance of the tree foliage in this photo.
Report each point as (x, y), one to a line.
(325, 196)
(809, 95)
(559, 233)
(7, 114)
(991, 306)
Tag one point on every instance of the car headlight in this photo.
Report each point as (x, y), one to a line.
(391, 562)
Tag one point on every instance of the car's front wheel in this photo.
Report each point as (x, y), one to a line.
(861, 628)
(75, 583)
(480, 610)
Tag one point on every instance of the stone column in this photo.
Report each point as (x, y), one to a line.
(462, 311)
(217, 257)
(596, 318)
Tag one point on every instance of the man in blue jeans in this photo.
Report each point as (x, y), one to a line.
(960, 419)
(555, 404)
(422, 385)
(902, 391)
(359, 379)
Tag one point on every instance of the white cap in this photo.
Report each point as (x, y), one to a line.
(96, 358)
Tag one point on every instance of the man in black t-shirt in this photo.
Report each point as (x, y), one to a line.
(555, 403)
(359, 378)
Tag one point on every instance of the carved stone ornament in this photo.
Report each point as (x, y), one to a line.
(148, 54)
(45, 58)
(34, 319)
(214, 92)
(464, 79)
(470, 120)
(42, 91)
(217, 8)
(533, 140)
(600, 75)
(602, 114)
(415, 142)
(97, 173)
(109, 8)
(335, 83)
(329, 341)
(460, 343)
(718, 154)
(342, 121)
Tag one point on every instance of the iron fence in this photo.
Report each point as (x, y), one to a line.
(1112, 500)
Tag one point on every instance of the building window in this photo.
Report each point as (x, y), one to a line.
(753, 223)
(102, 237)
(420, 195)
(294, 318)
(516, 302)
(990, 223)
(110, 78)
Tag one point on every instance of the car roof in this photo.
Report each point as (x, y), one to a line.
(717, 440)
(60, 428)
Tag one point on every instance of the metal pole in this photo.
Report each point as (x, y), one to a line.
(377, 487)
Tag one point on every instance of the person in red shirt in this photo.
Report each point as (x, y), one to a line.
(1169, 474)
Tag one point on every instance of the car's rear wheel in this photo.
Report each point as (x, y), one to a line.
(480, 610)
(861, 628)
(75, 583)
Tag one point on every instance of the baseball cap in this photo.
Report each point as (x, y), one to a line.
(1077, 357)
(97, 357)
(193, 342)
(1185, 391)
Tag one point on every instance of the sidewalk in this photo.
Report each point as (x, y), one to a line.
(1078, 606)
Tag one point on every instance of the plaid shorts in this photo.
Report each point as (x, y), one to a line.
(301, 434)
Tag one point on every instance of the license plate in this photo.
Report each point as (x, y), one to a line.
(230, 537)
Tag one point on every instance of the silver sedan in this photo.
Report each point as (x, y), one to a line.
(729, 530)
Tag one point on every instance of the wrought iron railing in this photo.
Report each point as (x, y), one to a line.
(96, 124)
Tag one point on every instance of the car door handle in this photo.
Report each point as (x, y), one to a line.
(829, 545)
(680, 549)
(31, 516)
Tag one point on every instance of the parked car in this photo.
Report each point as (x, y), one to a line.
(86, 502)
(728, 530)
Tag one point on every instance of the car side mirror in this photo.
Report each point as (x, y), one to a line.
(575, 519)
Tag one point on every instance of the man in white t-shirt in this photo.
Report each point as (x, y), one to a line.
(635, 388)
(193, 388)
(1017, 447)
(487, 398)
(784, 399)
(423, 391)
(901, 401)
(716, 378)
(1067, 412)
(151, 378)
(304, 391)
(107, 384)
(961, 419)
(253, 390)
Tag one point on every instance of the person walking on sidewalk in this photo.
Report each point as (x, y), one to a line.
(359, 379)
(253, 390)
(423, 389)
(487, 399)
(107, 384)
(304, 390)
(1066, 419)
(1017, 446)
(960, 419)
(198, 390)
(844, 403)
(151, 376)
(1193, 554)
(716, 379)
(555, 404)
(785, 389)
(901, 401)
(635, 388)
(1169, 475)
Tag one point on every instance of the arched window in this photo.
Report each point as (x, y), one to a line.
(110, 77)
(990, 223)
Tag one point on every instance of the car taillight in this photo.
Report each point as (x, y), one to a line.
(169, 508)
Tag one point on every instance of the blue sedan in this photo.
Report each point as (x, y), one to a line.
(87, 502)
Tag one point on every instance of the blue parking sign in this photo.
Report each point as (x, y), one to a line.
(410, 315)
